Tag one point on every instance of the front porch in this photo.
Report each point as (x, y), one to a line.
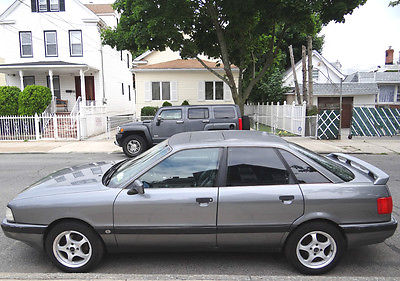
(67, 81)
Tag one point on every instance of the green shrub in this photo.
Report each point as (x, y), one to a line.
(9, 100)
(185, 102)
(33, 99)
(148, 111)
(167, 103)
(313, 110)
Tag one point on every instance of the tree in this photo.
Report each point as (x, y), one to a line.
(235, 32)
(394, 3)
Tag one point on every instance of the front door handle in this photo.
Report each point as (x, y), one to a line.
(286, 199)
(206, 121)
(179, 122)
(204, 202)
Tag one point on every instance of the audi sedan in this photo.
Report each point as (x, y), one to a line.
(221, 190)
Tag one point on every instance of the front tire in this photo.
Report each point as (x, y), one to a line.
(74, 247)
(315, 248)
(134, 145)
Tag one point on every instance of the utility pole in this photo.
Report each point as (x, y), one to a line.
(304, 69)
(310, 69)
(296, 83)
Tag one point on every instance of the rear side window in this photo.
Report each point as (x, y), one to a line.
(171, 114)
(302, 171)
(224, 112)
(255, 166)
(198, 113)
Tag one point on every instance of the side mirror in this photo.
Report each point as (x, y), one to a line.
(137, 188)
(158, 120)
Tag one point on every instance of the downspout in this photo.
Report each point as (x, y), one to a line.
(102, 70)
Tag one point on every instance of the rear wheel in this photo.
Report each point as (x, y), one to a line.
(134, 145)
(74, 247)
(315, 248)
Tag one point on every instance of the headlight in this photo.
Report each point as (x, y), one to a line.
(119, 129)
(9, 215)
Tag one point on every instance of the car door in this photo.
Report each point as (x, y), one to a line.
(198, 118)
(167, 123)
(179, 206)
(259, 201)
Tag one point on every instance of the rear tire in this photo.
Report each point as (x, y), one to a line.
(74, 247)
(134, 145)
(315, 248)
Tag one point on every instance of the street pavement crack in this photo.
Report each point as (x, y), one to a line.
(393, 248)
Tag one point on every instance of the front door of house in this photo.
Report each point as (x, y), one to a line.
(89, 87)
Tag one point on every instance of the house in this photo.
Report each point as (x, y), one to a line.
(165, 76)
(2, 77)
(57, 43)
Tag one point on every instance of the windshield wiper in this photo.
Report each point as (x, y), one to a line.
(110, 172)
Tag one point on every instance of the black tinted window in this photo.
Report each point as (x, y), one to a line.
(198, 113)
(188, 168)
(302, 171)
(224, 112)
(255, 166)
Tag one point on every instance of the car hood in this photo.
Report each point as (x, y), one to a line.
(76, 179)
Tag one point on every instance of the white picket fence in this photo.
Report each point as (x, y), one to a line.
(287, 117)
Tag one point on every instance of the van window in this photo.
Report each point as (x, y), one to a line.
(224, 112)
(198, 113)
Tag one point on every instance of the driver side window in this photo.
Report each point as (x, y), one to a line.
(187, 168)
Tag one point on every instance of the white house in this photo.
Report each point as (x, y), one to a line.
(165, 76)
(56, 43)
(2, 77)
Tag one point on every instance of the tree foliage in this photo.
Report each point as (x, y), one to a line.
(235, 32)
(33, 99)
(9, 100)
(394, 3)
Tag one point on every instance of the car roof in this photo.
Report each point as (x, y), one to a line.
(225, 138)
(197, 105)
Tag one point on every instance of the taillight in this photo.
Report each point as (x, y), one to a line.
(240, 124)
(385, 205)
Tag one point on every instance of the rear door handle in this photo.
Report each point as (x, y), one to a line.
(179, 122)
(286, 199)
(204, 202)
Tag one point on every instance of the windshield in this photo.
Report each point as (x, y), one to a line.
(129, 169)
(337, 169)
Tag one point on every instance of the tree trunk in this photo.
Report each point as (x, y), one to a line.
(296, 83)
(304, 70)
(310, 70)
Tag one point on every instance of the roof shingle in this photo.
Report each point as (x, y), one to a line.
(182, 64)
(100, 8)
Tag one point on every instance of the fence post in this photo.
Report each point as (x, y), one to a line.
(283, 116)
(37, 126)
(303, 119)
(78, 125)
(55, 126)
(258, 115)
(292, 117)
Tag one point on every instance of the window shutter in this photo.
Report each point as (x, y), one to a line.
(174, 91)
(227, 93)
(147, 91)
(48, 5)
(62, 5)
(202, 91)
(34, 6)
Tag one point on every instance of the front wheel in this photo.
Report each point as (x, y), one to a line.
(315, 248)
(134, 145)
(74, 247)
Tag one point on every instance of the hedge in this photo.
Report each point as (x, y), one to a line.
(185, 102)
(33, 99)
(148, 111)
(9, 100)
(167, 103)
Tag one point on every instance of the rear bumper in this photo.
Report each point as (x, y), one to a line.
(30, 234)
(371, 233)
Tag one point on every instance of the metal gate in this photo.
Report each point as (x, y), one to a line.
(370, 121)
(328, 125)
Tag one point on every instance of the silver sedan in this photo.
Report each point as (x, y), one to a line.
(223, 190)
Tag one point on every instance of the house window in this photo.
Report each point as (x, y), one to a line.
(25, 40)
(315, 74)
(214, 90)
(161, 90)
(129, 92)
(123, 91)
(387, 93)
(29, 80)
(56, 85)
(75, 43)
(42, 5)
(54, 6)
(127, 60)
(48, 5)
(50, 41)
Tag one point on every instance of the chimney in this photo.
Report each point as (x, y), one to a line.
(389, 56)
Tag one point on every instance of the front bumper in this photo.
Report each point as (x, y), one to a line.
(118, 139)
(369, 233)
(31, 234)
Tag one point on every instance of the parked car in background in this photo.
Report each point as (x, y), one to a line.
(224, 190)
(136, 137)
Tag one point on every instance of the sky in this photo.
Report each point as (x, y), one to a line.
(359, 44)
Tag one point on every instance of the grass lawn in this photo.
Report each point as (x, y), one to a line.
(265, 128)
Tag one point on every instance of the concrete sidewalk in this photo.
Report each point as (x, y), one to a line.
(384, 145)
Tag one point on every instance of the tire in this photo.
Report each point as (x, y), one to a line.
(322, 240)
(134, 145)
(86, 252)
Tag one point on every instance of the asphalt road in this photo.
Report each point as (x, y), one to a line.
(19, 170)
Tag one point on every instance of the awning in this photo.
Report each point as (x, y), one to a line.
(44, 66)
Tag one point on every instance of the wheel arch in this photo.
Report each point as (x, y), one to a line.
(142, 133)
